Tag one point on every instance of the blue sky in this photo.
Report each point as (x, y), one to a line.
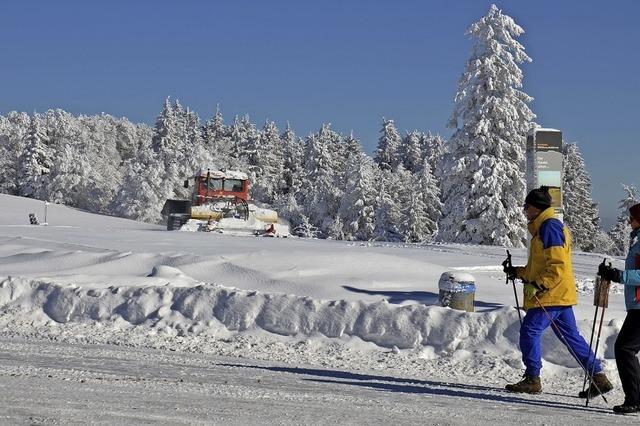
(347, 63)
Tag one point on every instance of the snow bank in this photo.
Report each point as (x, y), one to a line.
(205, 307)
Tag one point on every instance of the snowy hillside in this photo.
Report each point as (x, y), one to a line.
(90, 279)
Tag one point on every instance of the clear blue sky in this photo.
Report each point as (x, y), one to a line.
(344, 62)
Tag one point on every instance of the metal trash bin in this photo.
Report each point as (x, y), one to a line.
(457, 290)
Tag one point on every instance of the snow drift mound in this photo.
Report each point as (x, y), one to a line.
(205, 308)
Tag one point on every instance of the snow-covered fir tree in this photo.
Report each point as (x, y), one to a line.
(484, 187)
(293, 166)
(142, 192)
(620, 234)
(216, 137)
(177, 144)
(358, 203)
(580, 212)
(412, 153)
(86, 172)
(322, 197)
(434, 150)
(388, 154)
(36, 159)
(214, 132)
(266, 163)
(429, 191)
(13, 136)
(386, 207)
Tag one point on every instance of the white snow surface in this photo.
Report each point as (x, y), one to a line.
(97, 286)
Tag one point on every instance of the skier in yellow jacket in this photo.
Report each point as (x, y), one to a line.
(549, 283)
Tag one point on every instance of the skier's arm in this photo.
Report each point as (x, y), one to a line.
(553, 243)
(631, 277)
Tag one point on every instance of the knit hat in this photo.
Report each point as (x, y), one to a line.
(540, 198)
(634, 211)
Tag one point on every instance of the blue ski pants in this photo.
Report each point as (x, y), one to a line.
(536, 321)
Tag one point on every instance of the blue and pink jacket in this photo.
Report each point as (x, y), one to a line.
(631, 276)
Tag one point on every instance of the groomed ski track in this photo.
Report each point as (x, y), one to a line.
(62, 383)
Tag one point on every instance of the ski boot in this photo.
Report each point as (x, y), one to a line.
(626, 408)
(600, 385)
(528, 384)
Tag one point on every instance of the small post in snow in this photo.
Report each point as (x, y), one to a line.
(46, 204)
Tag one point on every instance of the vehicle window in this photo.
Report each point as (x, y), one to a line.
(234, 185)
(214, 184)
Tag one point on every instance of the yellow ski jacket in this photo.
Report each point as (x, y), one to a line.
(549, 262)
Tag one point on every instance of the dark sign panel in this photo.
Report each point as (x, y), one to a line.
(544, 163)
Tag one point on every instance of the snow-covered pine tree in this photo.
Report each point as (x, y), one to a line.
(412, 154)
(266, 163)
(413, 208)
(388, 154)
(620, 234)
(322, 197)
(242, 131)
(13, 131)
(430, 191)
(387, 210)
(434, 150)
(293, 169)
(580, 212)
(484, 187)
(177, 144)
(357, 204)
(214, 131)
(142, 192)
(217, 140)
(36, 159)
(86, 172)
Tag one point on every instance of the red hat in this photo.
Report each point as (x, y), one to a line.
(634, 211)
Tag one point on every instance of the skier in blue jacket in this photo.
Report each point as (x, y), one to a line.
(628, 342)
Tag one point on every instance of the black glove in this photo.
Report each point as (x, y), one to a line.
(609, 273)
(509, 270)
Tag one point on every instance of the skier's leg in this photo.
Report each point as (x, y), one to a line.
(566, 323)
(626, 347)
(533, 325)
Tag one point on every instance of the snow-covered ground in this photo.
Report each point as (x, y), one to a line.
(109, 320)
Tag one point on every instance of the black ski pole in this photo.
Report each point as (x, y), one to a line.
(513, 281)
(595, 354)
(575, 356)
(601, 298)
(593, 329)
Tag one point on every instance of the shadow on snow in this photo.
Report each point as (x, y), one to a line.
(428, 387)
(426, 297)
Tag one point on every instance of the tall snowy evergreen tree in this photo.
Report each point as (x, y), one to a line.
(293, 167)
(217, 140)
(13, 137)
(178, 146)
(36, 159)
(485, 187)
(322, 197)
(412, 154)
(266, 162)
(430, 192)
(621, 232)
(434, 151)
(142, 192)
(358, 203)
(388, 154)
(386, 207)
(580, 212)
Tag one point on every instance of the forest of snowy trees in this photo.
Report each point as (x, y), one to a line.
(416, 187)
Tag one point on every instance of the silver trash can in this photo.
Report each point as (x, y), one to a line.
(457, 290)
